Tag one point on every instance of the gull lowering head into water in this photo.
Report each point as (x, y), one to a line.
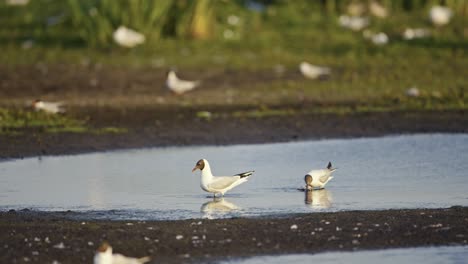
(104, 256)
(319, 178)
(312, 71)
(218, 184)
(179, 86)
(48, 107)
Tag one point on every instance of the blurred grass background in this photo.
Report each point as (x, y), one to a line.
(261, 35)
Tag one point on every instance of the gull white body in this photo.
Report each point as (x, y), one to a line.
(414, 33)
(179, 86)
(313, 71)
(105, 256)
(219, 184)
(128, 38)
(440, 15)
(378, 10)
(320, 178)
(353, 22)
(49, 107)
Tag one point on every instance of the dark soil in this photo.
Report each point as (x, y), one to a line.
(135, 99)
(31, 236)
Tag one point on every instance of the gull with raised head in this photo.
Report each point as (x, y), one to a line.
(104, 256)
(218, 184)
(319, 178)
(48, 107)
(179, 86)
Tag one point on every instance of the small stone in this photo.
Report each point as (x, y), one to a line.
(90, 243)
(59, 245)
(179, 237)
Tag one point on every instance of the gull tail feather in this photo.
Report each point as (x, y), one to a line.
(245, 174)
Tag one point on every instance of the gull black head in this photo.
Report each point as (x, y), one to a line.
(104, 247)
(199, 166)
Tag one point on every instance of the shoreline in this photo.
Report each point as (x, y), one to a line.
(149, 128)
(24, 234)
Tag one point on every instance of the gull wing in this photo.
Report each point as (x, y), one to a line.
(324, 178)
(223, 182)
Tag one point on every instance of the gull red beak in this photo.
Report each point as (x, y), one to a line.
(194, 169)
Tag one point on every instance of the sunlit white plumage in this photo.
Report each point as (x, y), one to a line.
(377, 38)
(415, 33)
(218, 184)
(378, 10)
(104, 256)
(313, 71)
(179, 86)
(48, 107)
(353, 22)
(127, 37)
(440, 15)
(319, 178)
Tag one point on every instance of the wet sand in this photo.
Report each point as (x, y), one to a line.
(65, 237)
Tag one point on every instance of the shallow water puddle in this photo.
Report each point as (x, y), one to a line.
(430, 255)
(428, 170)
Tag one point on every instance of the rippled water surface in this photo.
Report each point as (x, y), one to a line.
(431, 255)
(429, 170)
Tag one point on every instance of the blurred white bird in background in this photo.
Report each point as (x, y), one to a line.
(353, 22)
(17, 2)
(312, 71)
(104, 256)
(48, 107)
(179, 86)
(128, 38)
(413, 92)
(440, 15)
(415, 33)
(377, 38)
(377, 10)
(356, 8)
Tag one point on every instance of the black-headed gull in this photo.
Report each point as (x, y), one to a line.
(179, 86)
(319, 178)
(218, 184)
(312, 71)
(104, 256)
(49, 107)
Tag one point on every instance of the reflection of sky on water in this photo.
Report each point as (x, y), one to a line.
(375, 173)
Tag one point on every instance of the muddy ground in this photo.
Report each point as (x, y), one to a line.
(136, 100)
(46, 237)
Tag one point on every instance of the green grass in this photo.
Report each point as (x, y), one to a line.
(285, 34)
(16, 122)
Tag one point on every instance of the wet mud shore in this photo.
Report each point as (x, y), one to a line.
(44, 237)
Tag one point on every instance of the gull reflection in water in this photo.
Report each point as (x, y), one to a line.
(217, 207)
(318, 198)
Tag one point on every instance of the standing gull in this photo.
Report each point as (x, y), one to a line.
(319, 178)
(312, 71)
(179, 86)
(218, 184)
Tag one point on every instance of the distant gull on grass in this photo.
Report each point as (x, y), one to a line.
(440, 15)
(104, 256)
(48, 107)
(218, 184)
(415, 33)
(127, 37)
(377, 9)
(179, 86)
(319, 178)
(413, 92)
(353, 22)
(312, 71)
(378, 39)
